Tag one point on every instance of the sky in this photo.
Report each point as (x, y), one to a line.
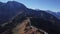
(52, 5)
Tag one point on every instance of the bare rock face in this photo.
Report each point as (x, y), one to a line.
(24, 28)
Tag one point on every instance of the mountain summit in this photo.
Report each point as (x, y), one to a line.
(10, 9)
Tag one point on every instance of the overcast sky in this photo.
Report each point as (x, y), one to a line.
(53, 5)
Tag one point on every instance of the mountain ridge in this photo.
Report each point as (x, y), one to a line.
(39, 18)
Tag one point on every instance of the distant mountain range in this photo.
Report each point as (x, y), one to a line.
(56, 14)
(46, 20)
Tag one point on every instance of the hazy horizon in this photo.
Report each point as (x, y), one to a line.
(52, 5)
